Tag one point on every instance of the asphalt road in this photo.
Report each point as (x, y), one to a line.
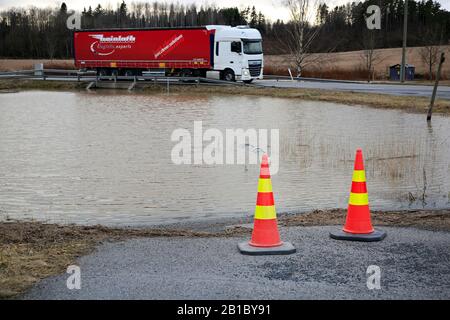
(391, 89)
(415, 264)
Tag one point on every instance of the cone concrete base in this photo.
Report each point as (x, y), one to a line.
(247, 249)
(377, 235)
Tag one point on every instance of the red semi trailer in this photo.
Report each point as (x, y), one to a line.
(236, 52)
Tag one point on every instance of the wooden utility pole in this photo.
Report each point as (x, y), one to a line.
(405, 38)
(436, 84)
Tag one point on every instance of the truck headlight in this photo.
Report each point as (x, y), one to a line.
(245, 72)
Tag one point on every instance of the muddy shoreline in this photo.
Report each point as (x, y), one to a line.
(31, 251)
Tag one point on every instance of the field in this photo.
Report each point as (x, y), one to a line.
(27, 64)
(349, 65)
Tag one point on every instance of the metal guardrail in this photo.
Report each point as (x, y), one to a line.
(44, 74)
(89, 76)
(54, 74)
(276, 77)
(80, 75)
(16, 72)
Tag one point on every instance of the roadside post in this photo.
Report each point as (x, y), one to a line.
(436, 85)
(39, 70)
(405, 40)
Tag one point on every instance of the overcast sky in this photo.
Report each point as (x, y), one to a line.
(271, 8)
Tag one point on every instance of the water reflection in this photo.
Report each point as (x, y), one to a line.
(104, 157)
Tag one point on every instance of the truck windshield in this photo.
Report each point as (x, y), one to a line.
(252, 46)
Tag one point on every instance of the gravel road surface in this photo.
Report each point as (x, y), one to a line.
(415, 264)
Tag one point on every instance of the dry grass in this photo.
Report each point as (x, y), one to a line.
(20, 84)
(28, 64)
(435, 220)
(23, 264)
(410, 104)
(334, 73)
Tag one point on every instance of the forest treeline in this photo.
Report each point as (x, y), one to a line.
(42, 33)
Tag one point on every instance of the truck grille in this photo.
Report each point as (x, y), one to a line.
(255, 67)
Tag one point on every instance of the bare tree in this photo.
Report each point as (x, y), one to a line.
(369, 56)
(429, 55)
(301, 32)
(432, 37)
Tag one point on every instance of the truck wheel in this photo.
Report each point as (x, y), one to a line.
(186, 73)
(228, 75)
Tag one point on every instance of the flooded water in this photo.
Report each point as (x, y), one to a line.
(106, 157)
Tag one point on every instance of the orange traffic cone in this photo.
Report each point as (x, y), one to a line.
(265, 237)
(358, 225)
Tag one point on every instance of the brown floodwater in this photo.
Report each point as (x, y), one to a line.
(105, 157)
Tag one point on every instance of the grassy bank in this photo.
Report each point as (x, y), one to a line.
(30, 251)
(8, 85)
(410, 104)
(433, 220)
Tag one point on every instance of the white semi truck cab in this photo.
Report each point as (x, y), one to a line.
(238, 53)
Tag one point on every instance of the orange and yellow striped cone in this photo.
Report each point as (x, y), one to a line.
(265, 237)
(358, 225)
